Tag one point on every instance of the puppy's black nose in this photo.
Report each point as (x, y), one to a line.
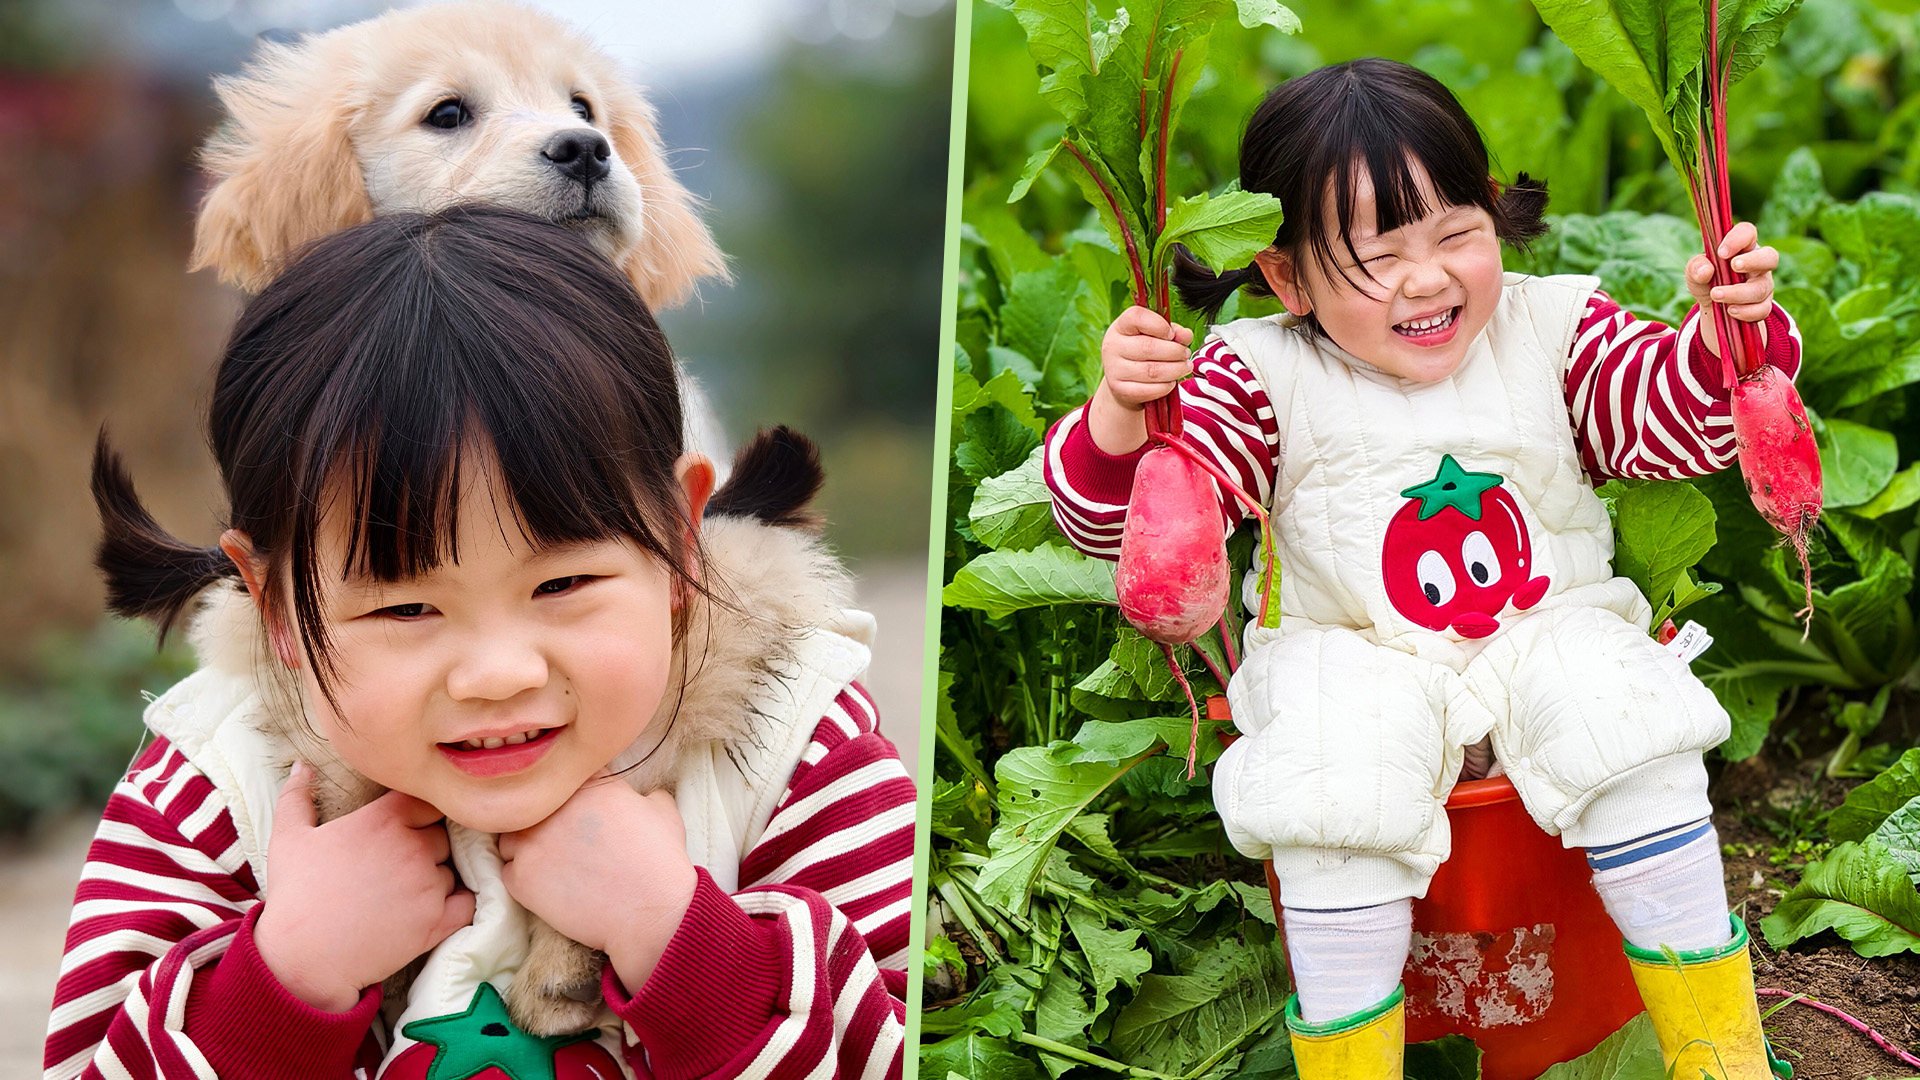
(581, 154)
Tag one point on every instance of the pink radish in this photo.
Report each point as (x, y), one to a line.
(1779, 460)
(1778, 457)
(1172, 578)
(1173, 575)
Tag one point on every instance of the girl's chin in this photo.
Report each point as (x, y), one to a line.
(504, 810)
(494, 818)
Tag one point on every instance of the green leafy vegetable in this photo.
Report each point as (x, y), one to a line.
(1859, 891)
(1874, 801)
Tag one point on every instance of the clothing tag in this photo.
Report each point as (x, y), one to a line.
(1691, 641)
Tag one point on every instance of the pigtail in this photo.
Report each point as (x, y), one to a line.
(1207, 292)
(1519, 212)
(149, 572)
(774, 478)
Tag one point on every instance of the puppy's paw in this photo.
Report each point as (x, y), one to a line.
(557, 989)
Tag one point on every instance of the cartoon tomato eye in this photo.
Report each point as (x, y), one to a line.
(1436, 578)
(1476, 554)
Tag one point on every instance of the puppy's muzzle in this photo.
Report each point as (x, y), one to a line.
(582, 155)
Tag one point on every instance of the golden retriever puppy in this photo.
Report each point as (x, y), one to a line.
(424, 107)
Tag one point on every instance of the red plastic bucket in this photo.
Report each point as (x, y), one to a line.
(1511, 946)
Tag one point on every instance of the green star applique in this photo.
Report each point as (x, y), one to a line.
(1453, 486)
(484, 1037)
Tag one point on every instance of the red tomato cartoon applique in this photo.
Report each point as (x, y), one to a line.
(483, 1043)
(1458, 552)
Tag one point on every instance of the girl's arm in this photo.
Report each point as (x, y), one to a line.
(1647, 400)
(160, 977)
(803, 971)
(1227, 417)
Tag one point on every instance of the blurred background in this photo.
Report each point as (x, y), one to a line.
(815, 129)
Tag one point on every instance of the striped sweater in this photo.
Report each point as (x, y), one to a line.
(802, 973)
(1645, 400)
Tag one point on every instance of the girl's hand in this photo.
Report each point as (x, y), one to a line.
(609, 869)
(1142, 358)
(1751, 300)
(351, 902)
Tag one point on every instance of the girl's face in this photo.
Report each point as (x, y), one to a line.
(494, 687)
(1444, 267)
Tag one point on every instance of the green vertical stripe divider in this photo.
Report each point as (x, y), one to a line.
(936, 535)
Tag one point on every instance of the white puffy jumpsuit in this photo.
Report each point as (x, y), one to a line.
(1446, 577)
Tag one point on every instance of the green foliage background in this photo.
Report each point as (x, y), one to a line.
(1092, 918)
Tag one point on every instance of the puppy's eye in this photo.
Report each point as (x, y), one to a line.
(448, 114)
(581, 109)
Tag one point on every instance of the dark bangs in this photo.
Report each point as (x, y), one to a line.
(374, 375)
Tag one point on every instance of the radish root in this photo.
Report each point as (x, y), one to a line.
(1193, 706)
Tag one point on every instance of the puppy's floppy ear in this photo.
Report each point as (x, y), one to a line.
(675, 249)
(284, 165)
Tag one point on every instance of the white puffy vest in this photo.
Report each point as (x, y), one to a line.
(1434, 571)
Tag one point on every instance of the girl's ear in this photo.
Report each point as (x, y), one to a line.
(695, 473)
(238, 546)
(1282, 277)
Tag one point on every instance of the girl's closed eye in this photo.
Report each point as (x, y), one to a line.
(403, 612)
(562, 585)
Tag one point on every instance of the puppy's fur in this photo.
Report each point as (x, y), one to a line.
(327, 132)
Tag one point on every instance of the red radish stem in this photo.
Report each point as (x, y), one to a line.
(1162, 414)
(1856, 1024)
(1193, 747)
(1226, 642)
(1140, 294)
(1778, 456)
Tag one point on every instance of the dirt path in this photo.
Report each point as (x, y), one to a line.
(37, 876)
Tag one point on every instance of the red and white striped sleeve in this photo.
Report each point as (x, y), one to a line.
(160, 978)
(802, 973)
(1648, 401)
(1226, 415)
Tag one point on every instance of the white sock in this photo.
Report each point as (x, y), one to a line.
(1346, 961)
(1665, 888)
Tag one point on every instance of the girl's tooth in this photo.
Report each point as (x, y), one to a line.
(494, 744)
(515, 740)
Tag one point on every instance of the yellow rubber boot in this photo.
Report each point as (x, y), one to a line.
(1368, 1045)
(1703, 1010)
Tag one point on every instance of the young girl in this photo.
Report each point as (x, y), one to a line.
(471, 576)
(1426, 429)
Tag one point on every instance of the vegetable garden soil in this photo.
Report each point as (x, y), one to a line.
(1883, 992)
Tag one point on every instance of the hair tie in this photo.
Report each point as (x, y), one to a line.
(1241, 276)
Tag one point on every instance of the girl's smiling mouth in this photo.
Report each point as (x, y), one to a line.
(1433, 330)
(501, 755)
